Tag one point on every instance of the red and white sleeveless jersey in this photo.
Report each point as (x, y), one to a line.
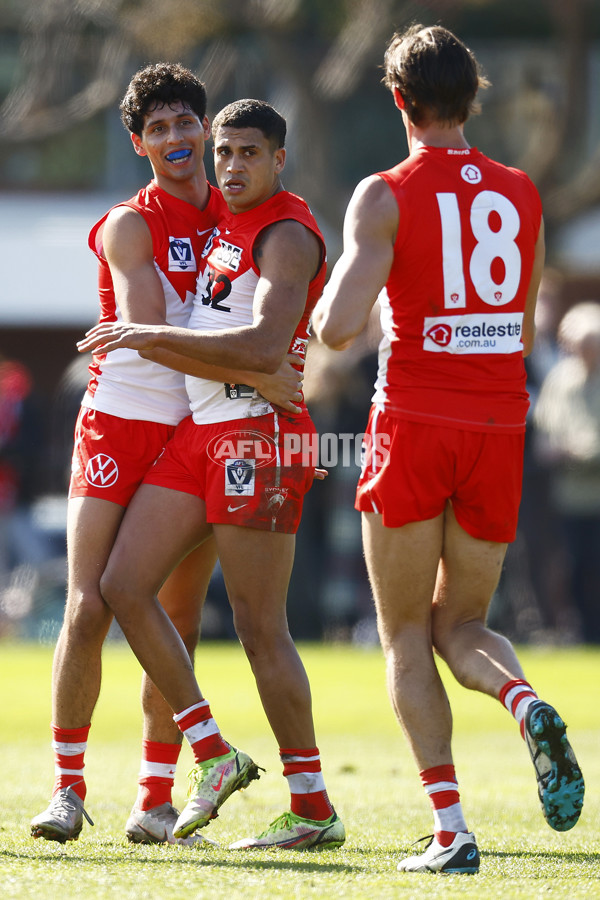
(122, 383)
(452, 308)
(225, 297)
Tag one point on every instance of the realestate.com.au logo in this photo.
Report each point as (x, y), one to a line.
(326, 450)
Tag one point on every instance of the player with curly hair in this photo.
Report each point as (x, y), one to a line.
(150, 251)
(235, 468)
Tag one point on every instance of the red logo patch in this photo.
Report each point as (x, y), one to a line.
(440, 335)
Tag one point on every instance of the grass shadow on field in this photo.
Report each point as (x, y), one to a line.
(158, 858)
(575, 856)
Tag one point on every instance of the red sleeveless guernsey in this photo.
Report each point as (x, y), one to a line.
(122, 383)
(225, 300)
(452, 308)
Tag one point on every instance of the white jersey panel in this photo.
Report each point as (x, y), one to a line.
(216, 310)
(385, 348)
(136, 388)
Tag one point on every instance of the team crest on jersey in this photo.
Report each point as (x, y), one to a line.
(181, 255)
(229, 255)
(239, 477)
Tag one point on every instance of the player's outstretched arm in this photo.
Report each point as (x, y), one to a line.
(288, 256)
(370, 228)
(283, 388)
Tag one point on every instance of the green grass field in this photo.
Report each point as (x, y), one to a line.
(370, 777)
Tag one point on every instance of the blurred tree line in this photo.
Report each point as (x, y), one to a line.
(64, 65)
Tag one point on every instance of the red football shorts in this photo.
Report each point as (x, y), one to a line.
(111, 455)
(411, 470)
(249, 472)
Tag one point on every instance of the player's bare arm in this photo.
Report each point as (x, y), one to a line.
(532, 292)
(127, 245)
(128, 248)
(370, 228)
(283, 388)
(288, 257)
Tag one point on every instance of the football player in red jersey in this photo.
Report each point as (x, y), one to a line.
(150, 252)
(235, 468)
(452, 243)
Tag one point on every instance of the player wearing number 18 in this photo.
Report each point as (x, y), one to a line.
(452, 243)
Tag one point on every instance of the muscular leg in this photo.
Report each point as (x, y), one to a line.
(182, 597)
(470, 569)
(160, 528)
(257, 566)
(91, 528)
(485, 661)
(402, 565)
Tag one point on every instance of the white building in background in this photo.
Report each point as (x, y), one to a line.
(48, 273)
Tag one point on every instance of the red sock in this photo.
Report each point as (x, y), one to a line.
(69, 745)
(157, 773)
(302, 768)
(517, 696)
(202, 732)
(441, 786)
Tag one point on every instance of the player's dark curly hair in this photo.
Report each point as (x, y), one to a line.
(253, 114)
(160, 84)
(436, 74)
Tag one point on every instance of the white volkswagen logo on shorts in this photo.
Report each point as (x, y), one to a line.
(101, 471)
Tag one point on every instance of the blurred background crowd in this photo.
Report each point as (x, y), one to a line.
(65, 159)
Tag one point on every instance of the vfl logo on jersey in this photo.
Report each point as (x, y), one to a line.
(477, 333)
(101, 471)
(229, 255)
(239, 477)
(181, 255)
(470, 173)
